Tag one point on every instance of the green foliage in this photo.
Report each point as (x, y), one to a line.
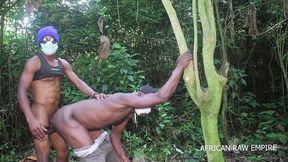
(11, 124)
(7, 153)
(166, 119)
(249, 99)
(72, 157)
(268, 130)
(278, 137)
(157, 136)
(256, 112)
(256, 158)
(236, 80)
(118, 73)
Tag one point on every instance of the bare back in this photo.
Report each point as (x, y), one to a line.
(73, 121)
(102, 113)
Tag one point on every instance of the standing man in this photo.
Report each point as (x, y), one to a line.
(73, 122)
(42, 75)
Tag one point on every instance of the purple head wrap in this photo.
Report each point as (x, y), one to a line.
(48, 30)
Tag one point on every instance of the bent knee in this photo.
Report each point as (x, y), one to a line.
(62, 152)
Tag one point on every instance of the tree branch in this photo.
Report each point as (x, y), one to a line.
(199, 92)
(189, 73)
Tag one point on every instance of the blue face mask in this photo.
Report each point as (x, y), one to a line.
(49, 48)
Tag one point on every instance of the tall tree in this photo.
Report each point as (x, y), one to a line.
(224, 59)
(279, 38)
(208, 99)
(5, 7)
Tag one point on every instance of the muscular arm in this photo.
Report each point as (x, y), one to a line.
(170, 86)
(115, 137)
(80, 84)
(25, 82)
(165, 91)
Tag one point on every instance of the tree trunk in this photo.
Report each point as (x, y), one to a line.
(224, 60)
(210, 131)
(1, 32)
(1, 45)
(6, 8)
(224, 115)
(207, 100)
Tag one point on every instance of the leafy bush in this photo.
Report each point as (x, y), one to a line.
(175, 125)
(249, 99)
(118, 73)
(236, 81)
(7, 156)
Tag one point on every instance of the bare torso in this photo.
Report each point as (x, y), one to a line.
(75, 120)
(45, 92)
(101, 113)
(46, 95)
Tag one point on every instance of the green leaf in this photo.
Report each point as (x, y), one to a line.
(244, 114)
(158, 130)
(283, 139)
(217, 61)
(281, 153)
(121, 81)
(243, 82)
(269, 112)
(104, 88)
(111, 66)
(116, 45)
(234, 94)
(138, 153)
(130, 78)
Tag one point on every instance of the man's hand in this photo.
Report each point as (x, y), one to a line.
(100, 96)
(184, 59)
(37, 129)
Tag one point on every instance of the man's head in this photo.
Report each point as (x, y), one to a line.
(48, 40)
(145, 90)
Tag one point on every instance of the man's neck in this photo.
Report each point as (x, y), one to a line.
(49, 57)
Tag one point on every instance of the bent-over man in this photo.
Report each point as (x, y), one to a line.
(73, 122)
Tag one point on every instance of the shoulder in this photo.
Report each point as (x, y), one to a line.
(33, 64)
(127, 97)
(65, 63)
(34, 59)
(123, 95)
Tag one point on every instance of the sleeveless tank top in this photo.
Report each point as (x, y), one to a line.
(46, 70)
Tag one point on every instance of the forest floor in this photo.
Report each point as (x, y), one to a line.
(248, 156)
(253, 157)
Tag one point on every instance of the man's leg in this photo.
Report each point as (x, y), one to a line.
(42, 149)
(106, 147)
(60, 146)
(96, 156)
(108, 150)
(112, 156)
(71, 130)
